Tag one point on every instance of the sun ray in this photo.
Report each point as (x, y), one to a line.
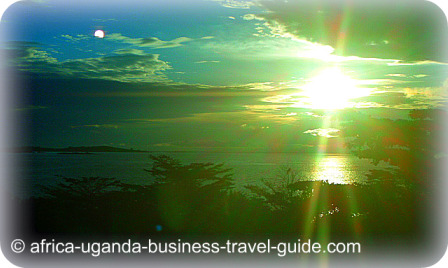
(329, 171)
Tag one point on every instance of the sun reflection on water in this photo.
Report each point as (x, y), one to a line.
(333, 169)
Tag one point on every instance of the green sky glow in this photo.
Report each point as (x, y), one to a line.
(219, 75)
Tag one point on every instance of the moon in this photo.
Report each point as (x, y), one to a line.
(99, 34)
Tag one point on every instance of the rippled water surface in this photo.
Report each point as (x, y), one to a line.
(46, 168)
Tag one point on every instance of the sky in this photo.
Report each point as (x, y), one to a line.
(219, 74)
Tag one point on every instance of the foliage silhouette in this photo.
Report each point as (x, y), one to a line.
(188, 195)
(283, 191)
(83, 188)
(200, 198)
(207, 176)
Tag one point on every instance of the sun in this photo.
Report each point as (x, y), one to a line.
(332, 89)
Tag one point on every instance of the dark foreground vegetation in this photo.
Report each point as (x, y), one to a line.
(199, 198)
(108, 206)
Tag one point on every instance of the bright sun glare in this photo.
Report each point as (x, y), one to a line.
(332, 89)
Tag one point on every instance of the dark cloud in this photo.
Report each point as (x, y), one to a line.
(149, 41)
(30, 108)
(387, 99)
(30, 57)
(130, 51)
(122, 67)
(408, 99)
(403, 29)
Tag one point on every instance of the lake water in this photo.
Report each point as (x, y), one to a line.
(248, 168)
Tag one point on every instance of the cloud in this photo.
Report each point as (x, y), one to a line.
(314, 115)
(257, 48)
(397, 75)
(429, 93)
(130, 51)
(28, 56)
(76, 38)
(31, 108)
(273, 42)
(97, 126)
(235, 118)
(420, 75)
(235, 4)
(125, 65)
(256, 91)
(323, 132)
(121, 67)
(251, 17)
(152, 42)
(272, 86)
(207, 61)
(415, 63)
(407, 98)
(382, 93)
(104, 20)
(351, 27)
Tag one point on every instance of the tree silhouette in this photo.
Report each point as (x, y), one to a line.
(205, 176)
(282, 191)
(189, 196)
(83, 188)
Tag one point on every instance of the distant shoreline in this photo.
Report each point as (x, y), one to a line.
(110, 149)
(76, 150)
